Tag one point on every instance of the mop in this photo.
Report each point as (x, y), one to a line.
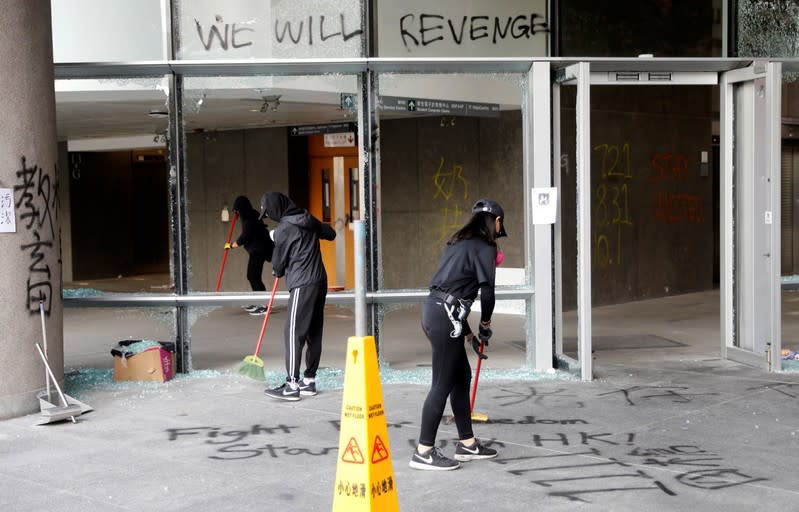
(50, 410)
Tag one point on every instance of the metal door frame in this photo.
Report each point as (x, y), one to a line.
(749, 334)
(608, 72)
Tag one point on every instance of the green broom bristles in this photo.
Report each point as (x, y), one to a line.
(252, 371)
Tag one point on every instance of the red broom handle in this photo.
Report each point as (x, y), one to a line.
(266, 318)
(476, 378)
(224, 258)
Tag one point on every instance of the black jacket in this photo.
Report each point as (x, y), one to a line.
(254, 236)
(297, 255)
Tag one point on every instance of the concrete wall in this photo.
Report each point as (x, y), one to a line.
(221, 166)
(652, 209)
(431, 175)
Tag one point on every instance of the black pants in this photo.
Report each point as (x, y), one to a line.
(255, 267)
(304, 325)
(452, 375)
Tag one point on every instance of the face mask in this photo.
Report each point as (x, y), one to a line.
(500, 257)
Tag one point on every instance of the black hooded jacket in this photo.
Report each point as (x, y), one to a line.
(254, 236)
(297, 255)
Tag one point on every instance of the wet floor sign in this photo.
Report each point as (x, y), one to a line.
(364, 474)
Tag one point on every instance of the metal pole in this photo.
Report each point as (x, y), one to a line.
(177, 185)
(359, 227)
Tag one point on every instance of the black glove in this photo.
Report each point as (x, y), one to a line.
(476, 346)
(485, 332)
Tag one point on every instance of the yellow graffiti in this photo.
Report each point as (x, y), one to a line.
(451, 220)
(616, 161)
(612, 203)
(449, 184)
(607, 248)
(446, 181)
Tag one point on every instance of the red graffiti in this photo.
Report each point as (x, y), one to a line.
(669, 167)
(674, 208)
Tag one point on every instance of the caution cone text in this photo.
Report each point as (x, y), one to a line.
(364, 474)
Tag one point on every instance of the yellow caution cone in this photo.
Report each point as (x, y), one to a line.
(364, 473)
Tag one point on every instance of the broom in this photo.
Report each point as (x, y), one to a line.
(253, 365)
(476, 416)
(227, 245)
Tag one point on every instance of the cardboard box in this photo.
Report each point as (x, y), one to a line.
(156, 363)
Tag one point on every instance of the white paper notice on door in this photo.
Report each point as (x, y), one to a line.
(545, 205)
(8, 218)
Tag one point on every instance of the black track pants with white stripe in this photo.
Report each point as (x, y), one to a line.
(304, 325)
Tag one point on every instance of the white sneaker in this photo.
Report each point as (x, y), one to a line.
(433, 460)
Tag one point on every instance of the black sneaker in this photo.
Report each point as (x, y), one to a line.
(284, 392)
(474, 452)
(258, 311)
(251, 307)
(433, 460)
(307, 389)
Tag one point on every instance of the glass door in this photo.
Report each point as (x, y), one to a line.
(750, 217)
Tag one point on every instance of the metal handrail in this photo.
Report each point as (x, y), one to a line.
(345, 298)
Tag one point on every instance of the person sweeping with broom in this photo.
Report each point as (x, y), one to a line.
(256, 241)
(468, 265)
(297, 256)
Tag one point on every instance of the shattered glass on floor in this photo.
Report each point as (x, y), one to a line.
(81, 381)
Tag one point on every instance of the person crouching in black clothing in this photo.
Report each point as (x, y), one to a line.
(256, 241)
(468, 265)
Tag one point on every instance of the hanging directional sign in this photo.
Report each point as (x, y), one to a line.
(316, 129)
(444, 107)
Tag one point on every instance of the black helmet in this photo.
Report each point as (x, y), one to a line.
(492, 207)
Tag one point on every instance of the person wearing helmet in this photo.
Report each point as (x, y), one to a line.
(255, 240)
(297, 256)
(467, 266)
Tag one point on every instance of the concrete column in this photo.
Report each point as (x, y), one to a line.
(31, 268)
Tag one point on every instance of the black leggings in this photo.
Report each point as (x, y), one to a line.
(452, 375)
(255, 267)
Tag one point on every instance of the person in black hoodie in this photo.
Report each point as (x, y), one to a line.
(297, 256)
(256, 241)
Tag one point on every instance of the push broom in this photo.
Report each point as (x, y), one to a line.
(253, 365)
(227, 249)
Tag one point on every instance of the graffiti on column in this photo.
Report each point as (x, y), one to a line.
(451, 187)
(37, 205)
